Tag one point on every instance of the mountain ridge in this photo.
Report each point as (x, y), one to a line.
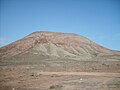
(55, 44)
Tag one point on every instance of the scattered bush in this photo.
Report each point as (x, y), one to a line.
(56, 87)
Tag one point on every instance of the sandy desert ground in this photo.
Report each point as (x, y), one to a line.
(59, 74)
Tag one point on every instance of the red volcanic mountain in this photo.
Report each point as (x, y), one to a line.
(55, 44)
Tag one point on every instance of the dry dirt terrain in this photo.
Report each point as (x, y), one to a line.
(58, 61)
(57, 74)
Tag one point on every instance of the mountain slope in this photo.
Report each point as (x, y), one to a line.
(55, 45)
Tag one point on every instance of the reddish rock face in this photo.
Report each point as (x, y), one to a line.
(69, 44)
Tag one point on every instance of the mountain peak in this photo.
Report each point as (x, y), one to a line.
(54, 44)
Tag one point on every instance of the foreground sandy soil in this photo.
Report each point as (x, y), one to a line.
(59, 75)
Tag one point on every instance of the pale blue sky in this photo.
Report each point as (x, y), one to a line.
(98, 20)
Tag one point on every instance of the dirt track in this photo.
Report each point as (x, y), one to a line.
(81, 73)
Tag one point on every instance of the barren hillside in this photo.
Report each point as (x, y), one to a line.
(55, 44)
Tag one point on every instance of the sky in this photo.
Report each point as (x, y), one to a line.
(98, 20)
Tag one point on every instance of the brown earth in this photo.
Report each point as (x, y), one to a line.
(58, 61)
(48, 76)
